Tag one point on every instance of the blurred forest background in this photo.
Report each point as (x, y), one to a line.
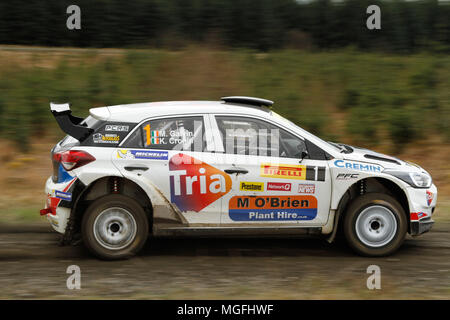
(385, 89)
(316, 59)
(407, 26)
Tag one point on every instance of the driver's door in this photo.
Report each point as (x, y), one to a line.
(271, 184)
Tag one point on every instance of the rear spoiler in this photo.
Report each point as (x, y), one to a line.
(69, 123)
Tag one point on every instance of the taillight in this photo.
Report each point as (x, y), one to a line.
(73, 159)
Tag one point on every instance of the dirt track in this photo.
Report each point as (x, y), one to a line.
(32, 265)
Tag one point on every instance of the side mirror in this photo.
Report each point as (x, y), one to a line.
(303, 155)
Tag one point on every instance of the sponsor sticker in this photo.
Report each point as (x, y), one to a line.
(289, 171)
(117, 127)
(430, 197)
(142, 154)
(366, 167)
(53, 221)
(272, 208)
(251, 186)
(194, 184)
(415, 216)
(63, 195)
(347, 176)
(306, 188)
(106, 138)
(279, 186)
(55, 197)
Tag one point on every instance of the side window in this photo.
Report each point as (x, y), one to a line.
(181, 133)
(291, 145)
(106, 134)
(135, 140)
(248, 136)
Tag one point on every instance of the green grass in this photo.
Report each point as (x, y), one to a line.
(21, 215)
(369, 98)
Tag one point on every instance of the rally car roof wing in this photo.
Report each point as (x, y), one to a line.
(248, 100)
(69, 123)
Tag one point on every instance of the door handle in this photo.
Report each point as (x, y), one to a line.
(132, 168)
(236, 170)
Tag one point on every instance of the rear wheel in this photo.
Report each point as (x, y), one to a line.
(375, 225)
(114, 227)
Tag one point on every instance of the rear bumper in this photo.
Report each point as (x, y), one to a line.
(59, 202)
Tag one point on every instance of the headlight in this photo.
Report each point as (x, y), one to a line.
(415, 179)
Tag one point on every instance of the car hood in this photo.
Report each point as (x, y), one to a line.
(365, 155)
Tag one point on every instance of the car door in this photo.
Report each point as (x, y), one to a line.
(276, 178)
(168, 153)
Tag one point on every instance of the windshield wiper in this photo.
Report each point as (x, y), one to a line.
(342, 147)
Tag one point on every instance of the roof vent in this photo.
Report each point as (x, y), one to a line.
(248, 100)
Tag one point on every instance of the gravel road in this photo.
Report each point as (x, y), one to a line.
(33, 266)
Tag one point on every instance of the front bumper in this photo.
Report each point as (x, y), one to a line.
(422, 203)
(421, 226)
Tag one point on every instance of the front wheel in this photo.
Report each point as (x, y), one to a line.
(375, 225)
(114, 227)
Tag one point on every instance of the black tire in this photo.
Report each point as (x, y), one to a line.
(135, 226)
(362, 243)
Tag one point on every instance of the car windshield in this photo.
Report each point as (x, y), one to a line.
(334, 145)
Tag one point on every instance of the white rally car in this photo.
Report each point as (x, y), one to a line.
(223, 168)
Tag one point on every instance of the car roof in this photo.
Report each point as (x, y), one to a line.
(137, 112)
